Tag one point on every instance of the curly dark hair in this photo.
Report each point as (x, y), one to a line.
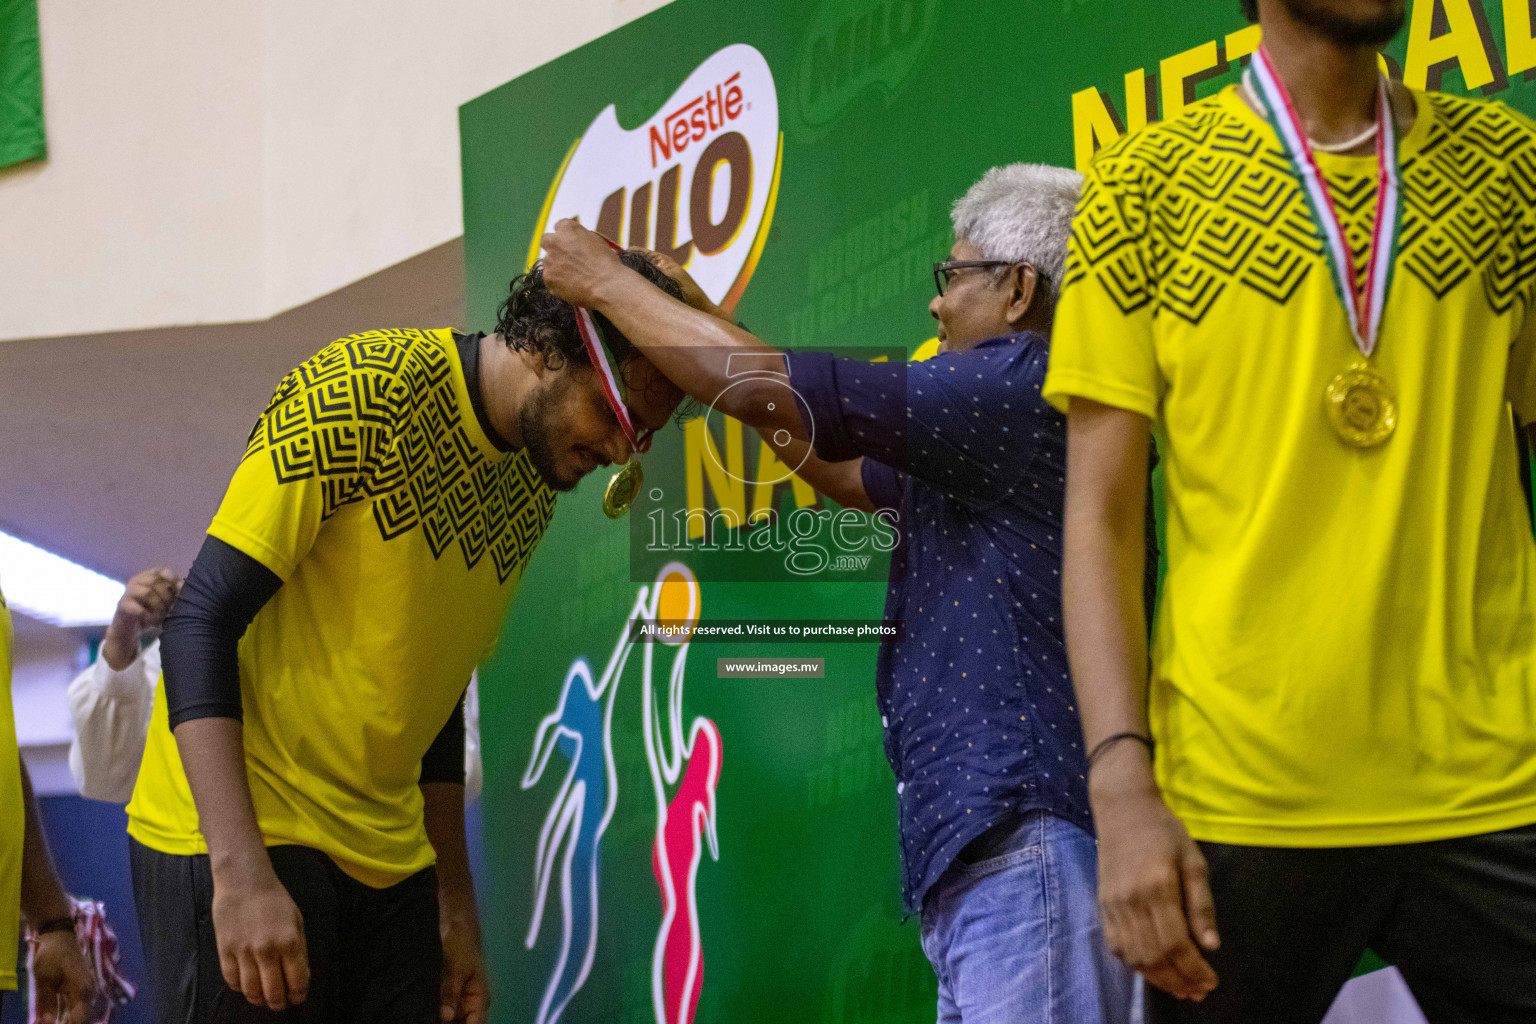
(1251, 9)
(533, 319)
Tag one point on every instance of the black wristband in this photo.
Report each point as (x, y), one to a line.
(1110, 741)
(58, 924)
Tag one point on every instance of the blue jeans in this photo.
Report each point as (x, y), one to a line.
(1014, 935)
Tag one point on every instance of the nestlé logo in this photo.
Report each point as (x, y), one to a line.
(697, 181)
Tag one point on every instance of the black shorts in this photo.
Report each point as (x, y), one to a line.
(1457, 917)
(375, 955)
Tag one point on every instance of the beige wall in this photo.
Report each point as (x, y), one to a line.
(148, 209)
(223, 162)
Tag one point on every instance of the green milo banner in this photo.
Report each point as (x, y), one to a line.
(666, 845)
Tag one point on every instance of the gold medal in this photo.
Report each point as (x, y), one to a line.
(623, 489)
(1360, 407)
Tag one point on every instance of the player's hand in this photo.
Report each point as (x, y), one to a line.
(260, 934)
(466, 994)
(692, 293)
(1153, 891)
(144, 605)
(63, 980)
(577, 262)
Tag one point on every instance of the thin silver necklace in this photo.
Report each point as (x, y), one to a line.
(1326, 147)
(1347, 144)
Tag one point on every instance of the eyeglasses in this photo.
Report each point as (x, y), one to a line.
(944, 273)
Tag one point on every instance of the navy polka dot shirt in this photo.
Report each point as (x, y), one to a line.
(979, 713)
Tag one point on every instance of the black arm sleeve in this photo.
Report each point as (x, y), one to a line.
(224, 590)
(444, 759)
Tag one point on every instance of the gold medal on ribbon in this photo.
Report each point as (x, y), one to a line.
(623, 489)
(1360, 407)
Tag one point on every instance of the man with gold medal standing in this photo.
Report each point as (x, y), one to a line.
(1315, 290)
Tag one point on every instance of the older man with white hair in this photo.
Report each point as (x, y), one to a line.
(981, 727)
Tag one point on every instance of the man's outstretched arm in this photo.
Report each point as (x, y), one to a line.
(1152, 877)
(843, 482)
(691, 348)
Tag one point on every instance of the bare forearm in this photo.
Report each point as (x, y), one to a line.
(693, 349)
(1106, 638)
(843, 482)
(213, 751)
(59, 975)
(1154, 898)
(1102, 593)
(444, 813)
(119, 647)
(258, 927)
(42, 896)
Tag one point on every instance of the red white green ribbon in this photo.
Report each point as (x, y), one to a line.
(1364, 306)
(607, 371)
(598, 352)
(98, 942)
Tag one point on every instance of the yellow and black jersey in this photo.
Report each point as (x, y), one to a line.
(1346, 646)
(400, 531)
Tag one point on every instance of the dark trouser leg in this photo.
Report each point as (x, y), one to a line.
(1293, 924)
(392, 953)
(174, 896)
(1464, 930)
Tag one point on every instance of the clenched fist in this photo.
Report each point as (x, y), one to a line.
(144, 605)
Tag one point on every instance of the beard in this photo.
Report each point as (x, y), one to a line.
(1346, 31)
(537, 423)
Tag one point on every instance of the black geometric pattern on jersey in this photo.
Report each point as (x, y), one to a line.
(375, 417)
(1175, 214)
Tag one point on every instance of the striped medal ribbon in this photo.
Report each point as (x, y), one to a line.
(1364, 308)
(598, 352)
(624, 486)
(1359, 404)
(607, 370)
(98, 942)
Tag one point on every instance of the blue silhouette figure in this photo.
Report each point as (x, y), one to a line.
(580, 728)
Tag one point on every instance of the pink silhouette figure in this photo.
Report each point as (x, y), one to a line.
(685, 822)
(679, 847)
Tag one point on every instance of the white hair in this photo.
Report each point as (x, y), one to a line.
(1021, 213)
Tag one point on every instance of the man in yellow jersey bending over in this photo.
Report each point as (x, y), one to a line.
(29, 887)
(1317, 289)
(359, 566)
